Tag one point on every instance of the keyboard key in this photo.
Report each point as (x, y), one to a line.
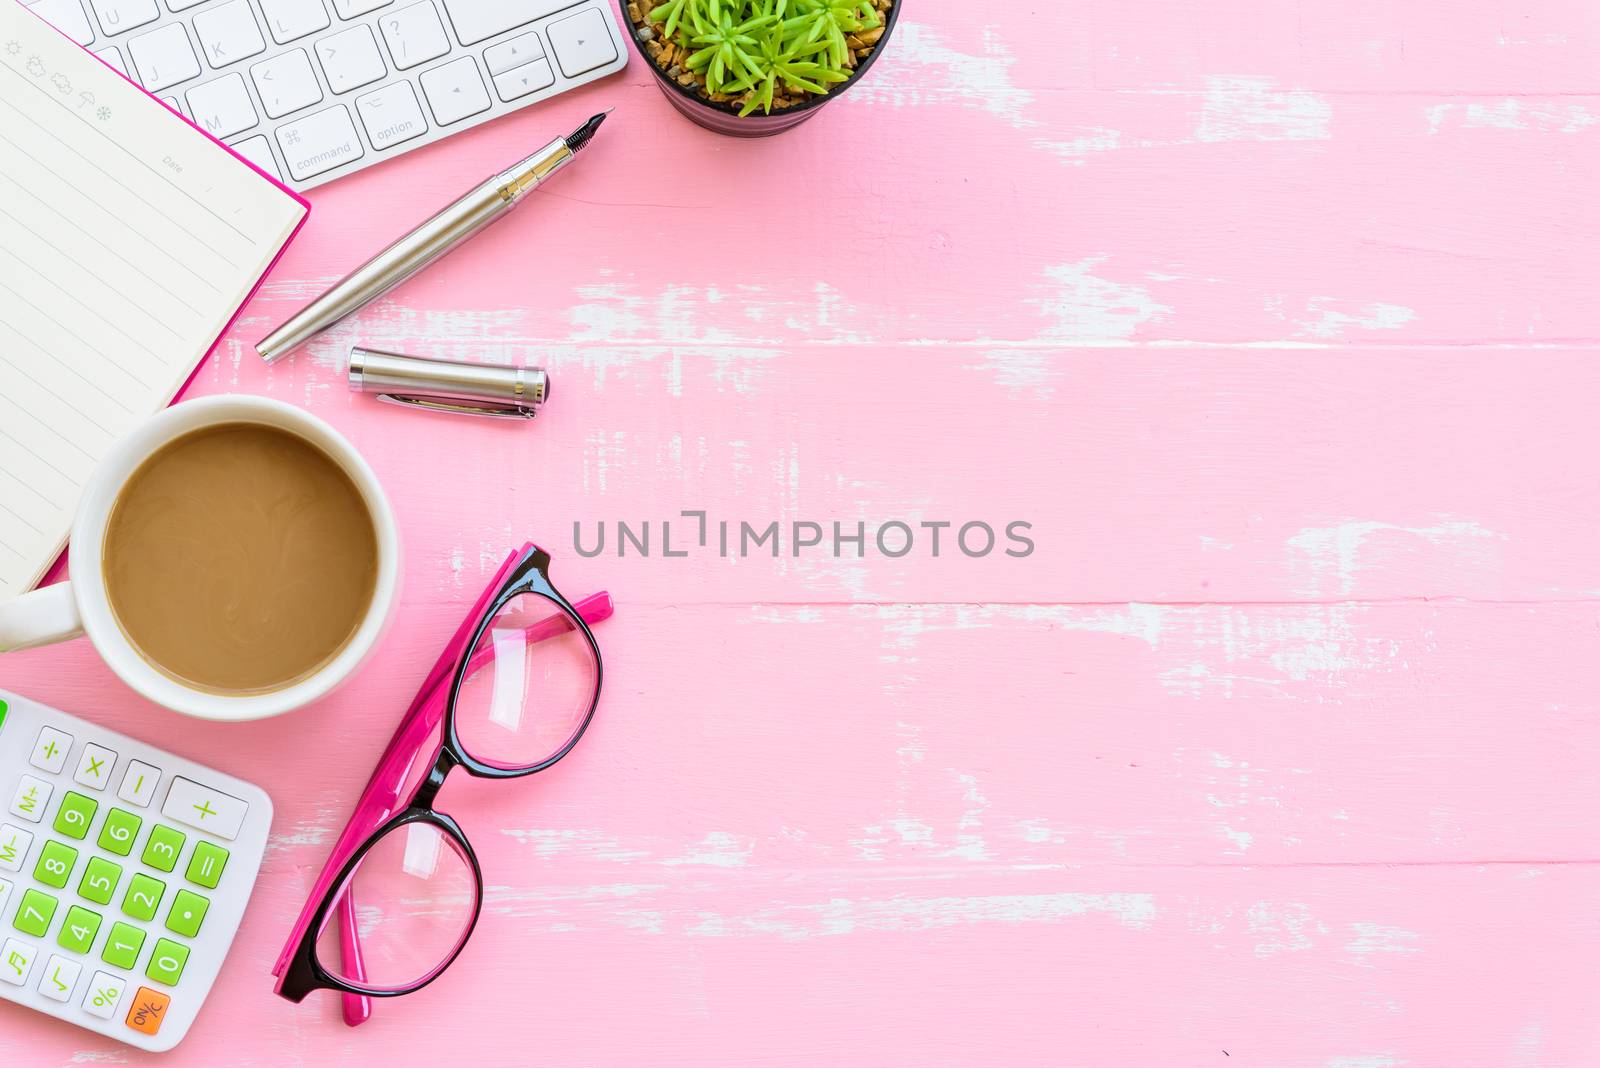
(99, 882)
(56, 861)
(112, 58)
(66, 16)
(187, 913)
(455, 90)
(286, 83)
(5, 894)
(391, 115)
(319, 142)
(31, 798)
(78, 929)
(166, 961)
(350, 59)
(122, 945)
(120, 16)
(228, 32)
(222, 107)
(138, 783)
(75, 814)
(143, 897)
(258, 150)
(34, 913)
(508, 55)
(528, 78)
(172, 102)
(182, 5)
(349, 9)
(199, 806)
(206, 864)
(148, 1009)
(292, 19)
(581, 42)
(14, 844)
(116, 834)
(161, 849)
(163, 57)
(50, 750)
(104, 991)
(59, 977)
(479, 20)
(414, 35)
(16, 958)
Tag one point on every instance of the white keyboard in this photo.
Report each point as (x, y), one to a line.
(312, 90)
(124, 872)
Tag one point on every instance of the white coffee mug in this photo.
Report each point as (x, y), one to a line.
(81, 606)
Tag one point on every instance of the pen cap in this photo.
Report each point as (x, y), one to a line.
(449, 385)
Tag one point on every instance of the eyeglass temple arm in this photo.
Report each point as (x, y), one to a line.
(593, 609)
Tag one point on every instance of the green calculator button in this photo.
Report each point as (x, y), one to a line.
(75, 815)
(162, 848)
(205, 866)
(34, 913)
(188, 911)
(167, 961)
(99, 882)
(55, 865)
(144, 894)
(122, 945)
(78, 930)
(116, 835)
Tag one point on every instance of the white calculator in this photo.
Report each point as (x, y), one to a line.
(124, 872)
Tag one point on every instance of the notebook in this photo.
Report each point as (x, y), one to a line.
(128, 242)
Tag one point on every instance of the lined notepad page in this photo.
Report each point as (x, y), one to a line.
(128, 240)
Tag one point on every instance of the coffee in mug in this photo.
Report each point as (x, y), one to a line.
(239, 558)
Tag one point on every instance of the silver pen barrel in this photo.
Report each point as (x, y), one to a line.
(448, 229)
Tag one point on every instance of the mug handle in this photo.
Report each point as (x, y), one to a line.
(42, 617)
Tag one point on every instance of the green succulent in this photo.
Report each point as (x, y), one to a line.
(751, 47)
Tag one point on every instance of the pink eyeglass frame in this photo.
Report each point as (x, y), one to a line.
(381, 800)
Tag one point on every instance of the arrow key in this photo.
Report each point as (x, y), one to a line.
(455, 90)
(582, 42)
(528, 78)
(508, 55)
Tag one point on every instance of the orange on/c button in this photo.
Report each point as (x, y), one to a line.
(147, 1010)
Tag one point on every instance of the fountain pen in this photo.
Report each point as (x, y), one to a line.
(489, 201)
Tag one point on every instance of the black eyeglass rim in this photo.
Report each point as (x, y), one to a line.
(304, 972)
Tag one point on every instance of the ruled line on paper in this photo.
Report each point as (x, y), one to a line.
(29, 450)
(107, 213)
(68, 330)
(120, 147)
(24, 373)
(88, 306)
(142, 269)
(19, 518)
(135, 305)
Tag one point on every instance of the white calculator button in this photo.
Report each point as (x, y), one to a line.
(164, 57)
(94, 766)
(30, 799)
(204, 809)
(50, 751)
(5, 894)
(102, 995)
(60, 975)
(511, 54)
(455, 90)
(528, 78)
(413, 35)
(139, 783)
(14, 845)
(581, 42)
(391, 114)
(16, 957)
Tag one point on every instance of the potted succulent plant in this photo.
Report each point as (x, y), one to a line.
(754, 67)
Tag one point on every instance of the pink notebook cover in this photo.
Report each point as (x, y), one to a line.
(58, 570)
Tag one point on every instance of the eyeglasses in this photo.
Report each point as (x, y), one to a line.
(511, 694)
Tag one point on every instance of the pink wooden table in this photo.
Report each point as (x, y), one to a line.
(1275, 320)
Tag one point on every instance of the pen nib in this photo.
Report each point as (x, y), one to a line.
(580, 137)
